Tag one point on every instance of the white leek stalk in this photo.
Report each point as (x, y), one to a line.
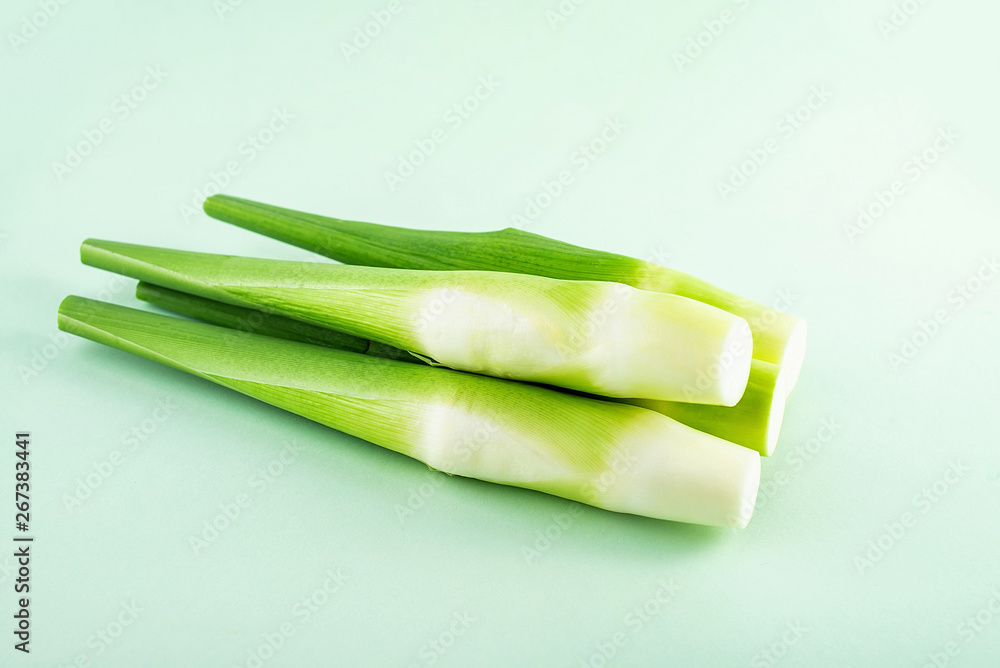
(597, 337)
(610, 455)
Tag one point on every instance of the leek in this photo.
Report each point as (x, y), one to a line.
(258, 322)
(597, 337)
(754, 422)
(778, 338)
(614, 456)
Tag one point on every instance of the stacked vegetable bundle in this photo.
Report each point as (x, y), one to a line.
(661, 391)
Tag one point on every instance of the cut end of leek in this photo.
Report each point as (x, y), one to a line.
(670, 348)
(734, 363)
(748, 498)
(775, 415)
(794, 355)
(700, 478)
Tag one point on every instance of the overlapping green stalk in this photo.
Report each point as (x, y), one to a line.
(597, 337)
(611, 455)
(754, 422)
(778, 338)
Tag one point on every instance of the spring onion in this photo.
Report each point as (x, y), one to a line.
(597, 337)
(778, 338)
(754, 422)
(614, 456)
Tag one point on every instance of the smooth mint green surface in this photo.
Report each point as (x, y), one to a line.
(865, 446)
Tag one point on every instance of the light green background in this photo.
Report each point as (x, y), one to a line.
(862, 440)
